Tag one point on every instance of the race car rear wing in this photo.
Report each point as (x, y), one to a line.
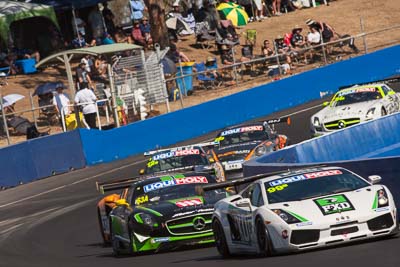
(116, 185)
(235, 183)
(205, 144)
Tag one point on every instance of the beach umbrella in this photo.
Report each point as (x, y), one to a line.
(10, 99)
(177, 24)
(48, 88)
(233, 12)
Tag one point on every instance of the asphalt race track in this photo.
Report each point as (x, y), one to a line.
(53, 222)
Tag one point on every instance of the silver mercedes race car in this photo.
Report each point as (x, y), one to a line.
(302, 209)
(354, 105)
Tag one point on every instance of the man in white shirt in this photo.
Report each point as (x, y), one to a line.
(87, 99)
(61, 101)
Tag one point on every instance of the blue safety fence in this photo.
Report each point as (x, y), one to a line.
(373, 139)
(58, 153)
(41, 157)
(263, 100)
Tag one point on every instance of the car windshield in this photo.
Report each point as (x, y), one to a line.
(242, 135)
(351, 96)
(313, 184)
(175, 160)
(175, 187)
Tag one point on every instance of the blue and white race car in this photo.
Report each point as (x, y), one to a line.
(302, 209)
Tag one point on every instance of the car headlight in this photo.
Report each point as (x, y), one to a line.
(144, 218)
(286, 216)
(316, 122)
(383, 200)
(371, 112)
(261, 150)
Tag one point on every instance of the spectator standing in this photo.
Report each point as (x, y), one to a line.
(87, 99)
(259, 10)
(96, 22)
(326, 31)
(78, 25)
(276, 7)
(248, 7)
(137, 9)
(108, 19)
(82, 76)
(87, 61)
(61, 101)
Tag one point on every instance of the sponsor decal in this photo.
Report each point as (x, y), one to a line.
(172, 181)
(151, 163)
(303, 224)
(311, 175)
(189, 202)
(334, 204)
(322, 174)
(382, 209)
(359, 90)
(176, 153)
(187, 152)
(243, 129)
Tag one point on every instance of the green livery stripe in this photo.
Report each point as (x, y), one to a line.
(149, 244)
(375, 204)
(184, 225)
(298, 217)
(150, 210)
(179, 238)
(138, 218)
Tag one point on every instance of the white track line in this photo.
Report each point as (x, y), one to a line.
(74, 183)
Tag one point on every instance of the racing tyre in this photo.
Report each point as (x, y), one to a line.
(220, 240)
(263, 239)
(383, 112)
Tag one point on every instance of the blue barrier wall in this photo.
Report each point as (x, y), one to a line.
(41, 157)
(373, 139)
(260, 101)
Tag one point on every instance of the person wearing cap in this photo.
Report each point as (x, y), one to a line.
(211, 66)
(326, 31)
(298, 43)
(86, 99)
(284, 50)
(61, 101)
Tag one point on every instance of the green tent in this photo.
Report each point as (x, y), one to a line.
(11, 11)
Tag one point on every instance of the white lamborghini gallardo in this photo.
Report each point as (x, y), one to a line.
(302, 209)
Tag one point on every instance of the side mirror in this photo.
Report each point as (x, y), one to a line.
(374, 179)
(243, 203)
(122, 202)
(141, 171)
(326, 103)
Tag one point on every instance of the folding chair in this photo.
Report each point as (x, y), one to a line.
(251, 37)
(206, 82)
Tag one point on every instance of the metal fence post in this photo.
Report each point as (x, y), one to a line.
(323, 48)
(33, 108)
(277, 58)
(113, 100)
(4, 118)
(234, 66)
(364, 37)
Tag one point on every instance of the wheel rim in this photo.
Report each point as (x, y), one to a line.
(218, 236)
(261, 236)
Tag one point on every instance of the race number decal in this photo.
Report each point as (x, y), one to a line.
(277, 188)
(334, 204)
(142, 199)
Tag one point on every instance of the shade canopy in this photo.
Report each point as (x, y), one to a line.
(68, 4)
(11, 11)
